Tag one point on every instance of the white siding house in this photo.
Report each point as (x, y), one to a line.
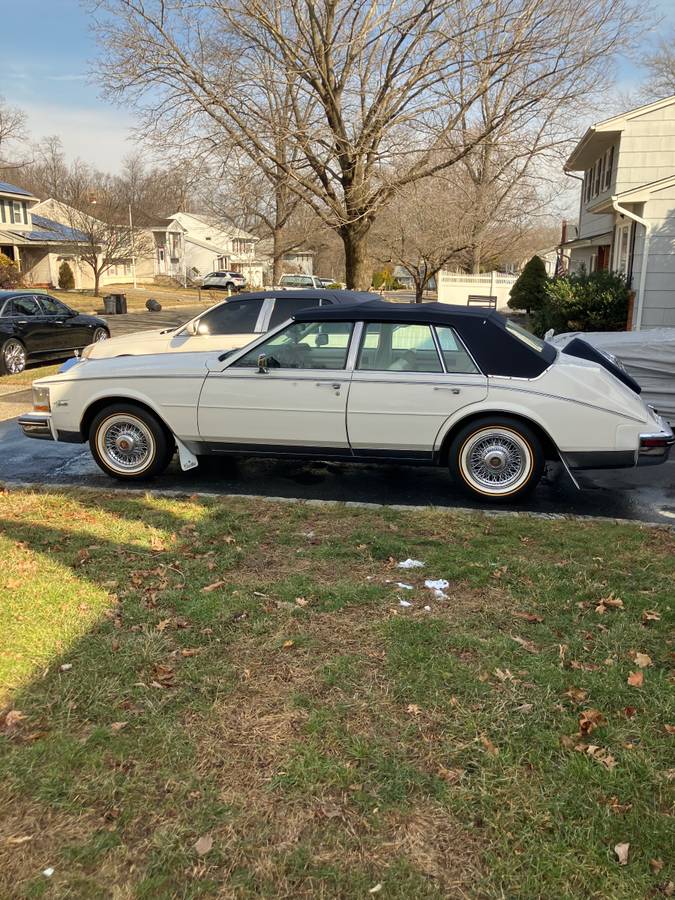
(189, 246)
(627, 207)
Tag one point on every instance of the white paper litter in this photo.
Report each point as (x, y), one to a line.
(48, 872)
(410, 564)
(438, 587)
(427, 609)
(404, 603)
(406, 587)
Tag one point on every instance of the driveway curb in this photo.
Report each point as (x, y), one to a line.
(40, 487)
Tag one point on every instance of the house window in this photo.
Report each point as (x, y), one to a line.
(241, 247)
(16, 212)
(609, 165)
(597, 179)
(621, 249)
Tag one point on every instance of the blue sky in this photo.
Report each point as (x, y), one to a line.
(47, 51)
(47, 54)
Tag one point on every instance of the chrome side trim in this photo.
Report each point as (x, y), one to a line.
(505, 387)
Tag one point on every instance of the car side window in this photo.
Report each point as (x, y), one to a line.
(5, 309)
(236, 317)
(25, 306)
(285, 307)
(304, 345)
(52, 307)
(392, 347)
(455, 354)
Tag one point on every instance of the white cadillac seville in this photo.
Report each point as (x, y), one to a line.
(374, 381)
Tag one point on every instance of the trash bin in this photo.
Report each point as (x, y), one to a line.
(114, 304)
(153, 305)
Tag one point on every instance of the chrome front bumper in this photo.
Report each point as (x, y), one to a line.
(37, 425)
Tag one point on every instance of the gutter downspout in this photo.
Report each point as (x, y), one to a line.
(645, 257)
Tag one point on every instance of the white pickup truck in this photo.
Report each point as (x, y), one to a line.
(301, 281)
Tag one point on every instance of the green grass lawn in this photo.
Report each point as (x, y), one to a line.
(226, 699)
(28, 376)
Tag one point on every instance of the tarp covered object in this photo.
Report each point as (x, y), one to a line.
(649, 356)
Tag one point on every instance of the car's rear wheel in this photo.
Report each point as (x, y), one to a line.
(129, 443)
(497, 459)
(100, 334)
(13, 357)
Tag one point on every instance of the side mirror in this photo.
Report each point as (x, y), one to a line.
(262, 364)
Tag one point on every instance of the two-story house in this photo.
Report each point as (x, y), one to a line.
(36, 242)
(189, 246)
(627, 208)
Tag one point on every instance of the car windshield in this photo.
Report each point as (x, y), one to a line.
(526, 337)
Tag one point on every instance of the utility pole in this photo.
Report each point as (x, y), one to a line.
(133, 257)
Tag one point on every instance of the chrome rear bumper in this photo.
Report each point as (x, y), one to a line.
(37, 425)
(655, 447)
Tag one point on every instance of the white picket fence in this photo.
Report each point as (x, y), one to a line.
(456, 287)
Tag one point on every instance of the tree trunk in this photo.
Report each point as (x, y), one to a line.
(97, 279)
(277, 256)
(419, 290)
(357, 271)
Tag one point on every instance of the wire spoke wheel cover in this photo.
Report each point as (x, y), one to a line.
(99, 335)
(14, 357)
(126, 444)
(496, 460)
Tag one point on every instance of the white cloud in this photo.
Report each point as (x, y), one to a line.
(101, 137)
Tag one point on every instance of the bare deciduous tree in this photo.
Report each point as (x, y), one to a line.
(379, 91)
(12, 130)
(93, 208)
(660, 67)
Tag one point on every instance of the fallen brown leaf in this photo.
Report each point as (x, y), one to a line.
(636, 679)
(526, 645)
(629, 711)
(655, 865)
(590, 719)
(413, 709)
(203, 844)
(13, 717)
(576, 694)
(641, 659)
(489, 746)
(213, 587)
(287, 645)
(528, 617)
(650, 615)
(621, 851)
(118, 726)
(610, 602)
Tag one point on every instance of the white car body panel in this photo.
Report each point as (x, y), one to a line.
(143, 343)
(210, 403)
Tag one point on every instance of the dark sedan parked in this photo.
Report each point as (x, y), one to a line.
(35, 326)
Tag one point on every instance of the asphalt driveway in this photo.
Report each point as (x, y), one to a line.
(646, 494)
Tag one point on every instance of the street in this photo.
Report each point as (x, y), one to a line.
(646, 494)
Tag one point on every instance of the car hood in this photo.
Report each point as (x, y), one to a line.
(139, 342)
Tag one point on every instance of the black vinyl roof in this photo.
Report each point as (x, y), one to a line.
(376, 310)
(348, 298)
(496, 350)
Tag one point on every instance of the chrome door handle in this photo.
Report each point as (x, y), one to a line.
(335, 386)
(453, 390)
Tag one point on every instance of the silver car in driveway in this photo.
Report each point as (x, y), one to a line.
(224, 280)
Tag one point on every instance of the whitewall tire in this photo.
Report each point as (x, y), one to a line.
(496, 459)
(129, 443)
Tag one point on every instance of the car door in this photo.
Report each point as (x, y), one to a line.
(229, 325)
(295, 403)
(67, 331)
(29, 324)
(408, 380)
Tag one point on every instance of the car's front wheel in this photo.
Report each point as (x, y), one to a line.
(129, 443)
(100, 334)
(496, 459)
(13, 357)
